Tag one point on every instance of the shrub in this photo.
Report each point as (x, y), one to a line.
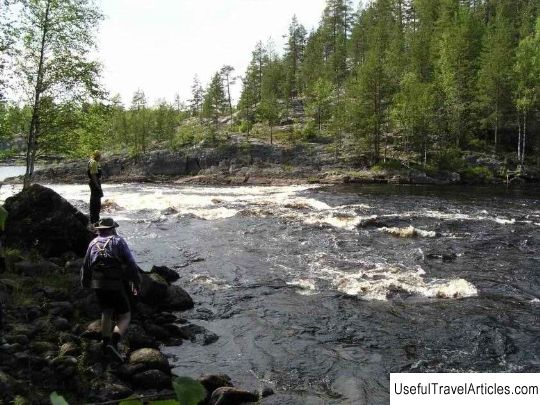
(450, 160)
(476, 174)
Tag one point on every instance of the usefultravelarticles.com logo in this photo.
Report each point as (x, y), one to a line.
(465, 388)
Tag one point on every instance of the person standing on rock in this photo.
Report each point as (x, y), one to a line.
(94, 176)
(109, 268)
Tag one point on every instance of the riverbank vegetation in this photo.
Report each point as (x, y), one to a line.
(416, 82)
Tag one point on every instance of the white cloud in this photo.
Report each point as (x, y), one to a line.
(158, 46)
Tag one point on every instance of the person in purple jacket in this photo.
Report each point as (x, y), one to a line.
(110, 270)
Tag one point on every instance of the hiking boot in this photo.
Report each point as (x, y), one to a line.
(114, 353)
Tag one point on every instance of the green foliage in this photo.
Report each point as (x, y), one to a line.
(450, 160)
(188, 391)
(189, 133)
(476, 174)
(57, 399)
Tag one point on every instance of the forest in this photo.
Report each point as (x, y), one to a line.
(415, 81)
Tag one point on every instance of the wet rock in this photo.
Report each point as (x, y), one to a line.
(61, 323)
(41, 219)
(61, 308)
(36, 268)
(29, 330)
(165, 317)
(42, 347)
(152, 379)
(177, 299)
(8, 385)
(137, 338)
(266, 392)
(109, 390)
(213, 382)
(157, 331)
(20, 339)
(54, 294)
(74, 266)
(92, 330)
(65, 365)
(168, 274)
(209, 338)
(152, 359)
(190, 331)
(153, 288)
(70, 349)
(232, 396)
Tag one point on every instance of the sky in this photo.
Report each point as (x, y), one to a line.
(158, 46)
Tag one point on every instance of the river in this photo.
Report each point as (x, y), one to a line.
(311, 291)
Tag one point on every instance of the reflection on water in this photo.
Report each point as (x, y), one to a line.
(321, 292)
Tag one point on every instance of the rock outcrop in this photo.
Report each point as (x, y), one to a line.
(42, 220)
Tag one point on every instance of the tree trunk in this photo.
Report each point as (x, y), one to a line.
(524, 137)
(519, 139)
(33, 133)
(496, 125)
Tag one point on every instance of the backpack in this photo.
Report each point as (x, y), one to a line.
(107, 268)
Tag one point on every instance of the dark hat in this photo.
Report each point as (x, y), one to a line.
(105, 223)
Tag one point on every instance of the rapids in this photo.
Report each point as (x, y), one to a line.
(322, 292)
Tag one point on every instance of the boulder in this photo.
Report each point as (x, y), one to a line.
(153, 288)
(232, 396)
(41, 219)
(36, 268)
(168, 274)
(137, 338)
(177, 299)
(152, 359)
(152, 379)
(93, 330)
(213, 382)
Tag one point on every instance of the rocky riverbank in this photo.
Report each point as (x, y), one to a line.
(264, 164)
(50, 326)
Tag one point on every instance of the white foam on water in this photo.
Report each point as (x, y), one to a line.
(305, 286)
(213, 283)
(380, 281)
(409, 232)
(504, 221)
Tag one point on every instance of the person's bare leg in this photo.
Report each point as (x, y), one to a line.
(122, 323)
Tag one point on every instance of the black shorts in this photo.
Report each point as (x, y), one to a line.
(116, 300)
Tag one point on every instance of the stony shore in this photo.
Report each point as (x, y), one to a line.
(264, 164)
(50, 328)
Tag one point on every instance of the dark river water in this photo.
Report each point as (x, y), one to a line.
(322, 292)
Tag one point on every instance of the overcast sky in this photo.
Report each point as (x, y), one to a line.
(159, 45)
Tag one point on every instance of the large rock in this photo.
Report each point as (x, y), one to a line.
(177, 299)
(232, 396)
(40, 218)
(152, 359)
(152, 379)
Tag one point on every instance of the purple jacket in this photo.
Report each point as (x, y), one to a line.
(119, 249)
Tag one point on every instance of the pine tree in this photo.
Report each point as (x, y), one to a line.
(294, 55)
(335, 30)
(139, 121)
(228, 80)
(197, 95)
(495, 72)
(214, 103)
